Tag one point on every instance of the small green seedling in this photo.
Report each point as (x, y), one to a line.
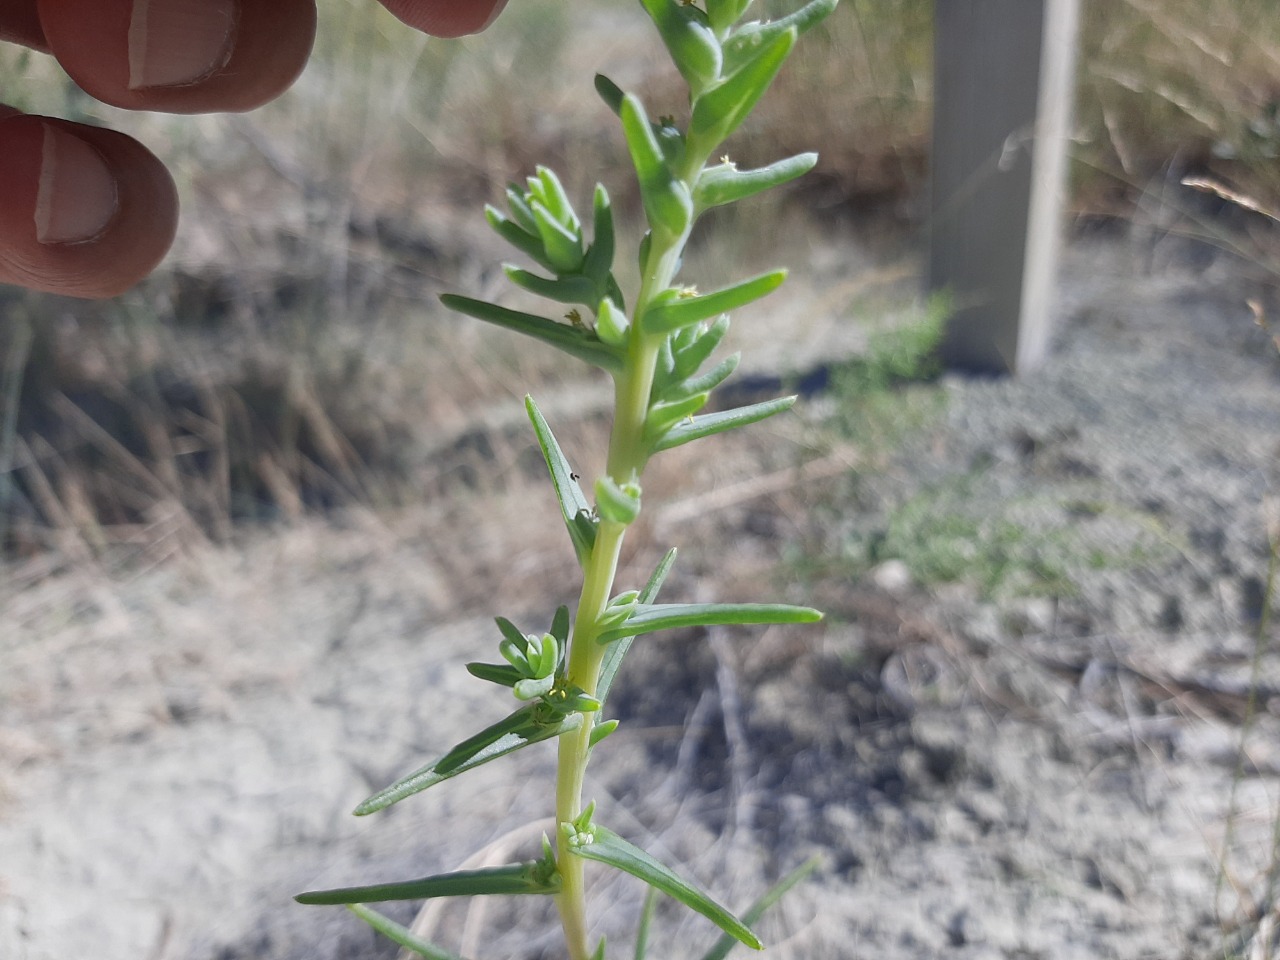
(654, 344)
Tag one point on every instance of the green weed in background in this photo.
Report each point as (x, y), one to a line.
(656, 343)
(890, 390)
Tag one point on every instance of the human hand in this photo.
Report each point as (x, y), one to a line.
(88, 212)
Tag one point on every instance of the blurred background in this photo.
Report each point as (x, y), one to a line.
(291, 355)
(256, 512)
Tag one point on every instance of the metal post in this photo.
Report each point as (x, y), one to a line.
(1003, 79)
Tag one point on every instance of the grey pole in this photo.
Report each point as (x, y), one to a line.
(1003, 80)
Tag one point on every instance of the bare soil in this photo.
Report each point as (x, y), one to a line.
(1069, 751)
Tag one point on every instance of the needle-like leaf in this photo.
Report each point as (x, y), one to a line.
(689, 39)
(720, 111)
(516, 878)
(713, 423)
(720, 949)
(574, 506)
(617, 650)
(688, 357)
(666, 200)
(741, 47)
(572, 340)
(650, 617)
(706, 382)
(508, 735)
(499, 673)
(568, 289)
(678, 312)
(646, 921)
(725, 183)
(607, 847)
(401, 935)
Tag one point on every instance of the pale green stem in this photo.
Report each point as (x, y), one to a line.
(627, 454)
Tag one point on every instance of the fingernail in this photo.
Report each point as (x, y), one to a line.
(76, 197)
(174, 42)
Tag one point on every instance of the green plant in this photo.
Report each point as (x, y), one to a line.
(655, 352)
(890, 390)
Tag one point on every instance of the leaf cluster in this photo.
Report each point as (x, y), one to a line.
(728, 68)
(659, 351)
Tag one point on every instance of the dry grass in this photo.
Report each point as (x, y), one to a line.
(290, 356)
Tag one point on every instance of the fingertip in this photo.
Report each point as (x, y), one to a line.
(84, 212)
(19, 23)
(446, 18)
(181, 56)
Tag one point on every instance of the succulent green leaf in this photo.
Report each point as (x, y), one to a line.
(687, 359)
(705, 383)
(499, 673)
(617, 610)
(580, 702)
(577, 343)
(598, 953)
(560, 625)
(666, 200)
(672, 314)
(720, 949)
(582, 531)
(556, 201)
(723, 14)
(689, 39)
(684, 338)
(611, 323)
(719, 111)
(619, 503)
(512, 633)
(614, 293)
(520, 210)
(534, 687)
(400, 934)
(599, 259)
(671, 141)
(568, 289)
(612, 659)
(742, 46)
(609, 848)
(725, 183)
(574, 507)
(713, 423)
(651, 617)
(515, 878)
(563, 244)
(663, 416)
(516, 655)
(602, 730)
(512, 733)
(610, 93)
(527, 243)
(549, 656)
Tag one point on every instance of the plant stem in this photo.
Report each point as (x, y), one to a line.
(627, 455)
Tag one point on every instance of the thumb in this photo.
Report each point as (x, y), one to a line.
(83, 211)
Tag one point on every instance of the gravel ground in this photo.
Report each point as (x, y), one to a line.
(1039, 759)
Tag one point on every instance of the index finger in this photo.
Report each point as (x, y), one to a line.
(446, 18)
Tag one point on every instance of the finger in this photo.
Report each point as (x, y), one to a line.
(83, 211)
(446, 18)
(20, 24)
(181, 56)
